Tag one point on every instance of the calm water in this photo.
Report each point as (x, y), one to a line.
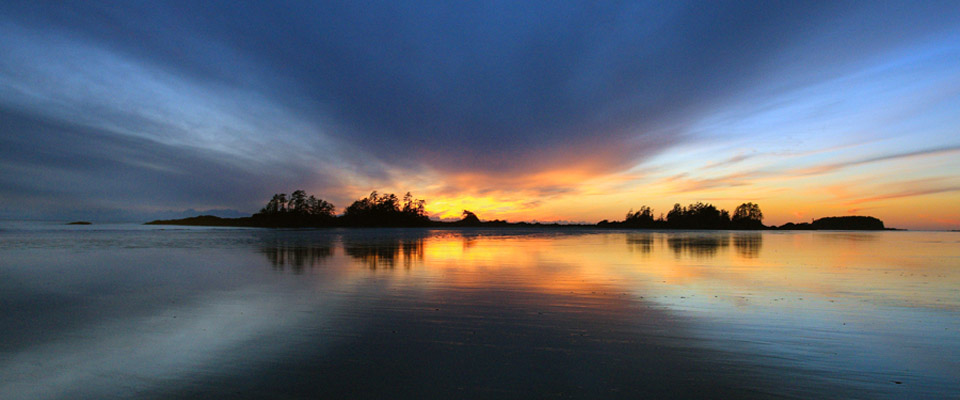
(141, 312)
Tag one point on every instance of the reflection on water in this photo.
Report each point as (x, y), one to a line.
(748, 244)
(296, 255)
(385, 253)
(851, 236)
(640, 242)
(700, 245)
(478, 313)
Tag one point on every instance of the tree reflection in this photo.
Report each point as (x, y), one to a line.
(296, 256)
(386, 253)
(700, 246)
(642, 242)
(468, 242)
(852, 236)
(748, 244)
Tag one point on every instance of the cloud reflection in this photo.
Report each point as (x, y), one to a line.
(171, 311)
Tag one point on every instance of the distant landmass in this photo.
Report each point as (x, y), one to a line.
(859, 223)
(79, 223)
(388, 210)
(170, 214)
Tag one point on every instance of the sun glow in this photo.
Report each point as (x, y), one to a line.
(487, 207)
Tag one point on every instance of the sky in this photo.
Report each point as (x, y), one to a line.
(570, 111)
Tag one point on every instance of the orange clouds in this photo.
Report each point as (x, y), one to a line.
(789, 188)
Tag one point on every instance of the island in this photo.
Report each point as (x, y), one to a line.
(856, 222)
(80, 223)
(388, 210)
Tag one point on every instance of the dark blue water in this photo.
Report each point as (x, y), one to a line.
(121, 311)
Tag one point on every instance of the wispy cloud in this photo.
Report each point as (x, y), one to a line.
(827, 168)
(728, 162)
(219, 104)
(685, 182)
(902, 194)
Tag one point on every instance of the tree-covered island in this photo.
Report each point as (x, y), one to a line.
(300, 210)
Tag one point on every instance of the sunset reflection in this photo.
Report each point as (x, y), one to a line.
(797, 314)
(832, 296)
(386, 253)
(846, 265)
(748, 244)
(296, 257)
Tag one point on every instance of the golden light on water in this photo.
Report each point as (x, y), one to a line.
(875, 306)
(766, 266)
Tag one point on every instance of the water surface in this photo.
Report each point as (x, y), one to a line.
(151, 312)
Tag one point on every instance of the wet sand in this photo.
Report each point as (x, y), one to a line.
(198, 313)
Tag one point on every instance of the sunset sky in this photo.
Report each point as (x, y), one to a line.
(550, 111)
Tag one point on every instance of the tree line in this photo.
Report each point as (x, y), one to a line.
(694, 216)
(373, 210)
(388, 210)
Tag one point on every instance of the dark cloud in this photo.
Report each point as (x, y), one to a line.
(63, 166)
(496, 88)
(490, 86)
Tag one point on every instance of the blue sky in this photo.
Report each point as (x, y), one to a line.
(535, 110)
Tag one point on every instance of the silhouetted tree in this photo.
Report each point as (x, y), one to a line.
(642, 218)
(747, 216)
(297, 211)
(413, 206)
(697, 216)
(298, 202)
(386, 210)
(319, 207)
(707, 216)
(469, 219)
(277, 204)
(675, 217)
(748, 211)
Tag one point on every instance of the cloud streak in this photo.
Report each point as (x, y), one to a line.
(169, 104)
(827, 168)
(904, 194)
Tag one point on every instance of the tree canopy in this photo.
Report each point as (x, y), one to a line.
(747, 216)
(694, 216)
(386, 210)
(298, 210)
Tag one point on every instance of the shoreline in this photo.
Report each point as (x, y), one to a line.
(251, 222)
